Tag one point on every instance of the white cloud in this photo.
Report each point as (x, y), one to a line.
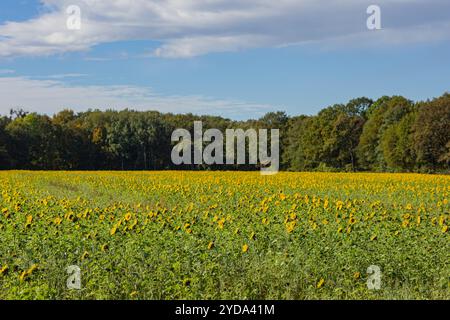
(65, 76)
(193, 27)
(51, 96)
(6, 71)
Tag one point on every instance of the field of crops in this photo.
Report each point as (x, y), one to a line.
(223, 235)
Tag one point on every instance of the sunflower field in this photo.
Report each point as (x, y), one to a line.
(224, 235)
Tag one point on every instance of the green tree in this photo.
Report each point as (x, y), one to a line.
(34, 142)
(385, 112)
(5, 159)
(293, 156)
(397, 145)
(432, 133)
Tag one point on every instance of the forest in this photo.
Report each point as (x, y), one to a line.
(391, 134)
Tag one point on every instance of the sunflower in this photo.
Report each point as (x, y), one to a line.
(57, 221)
(4, 269)
(320, 283)
(26, 274)
(29, 221)
(113, 230)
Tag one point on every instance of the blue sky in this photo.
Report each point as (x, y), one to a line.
(232, 58)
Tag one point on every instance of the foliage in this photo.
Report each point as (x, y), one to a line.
(390, 134)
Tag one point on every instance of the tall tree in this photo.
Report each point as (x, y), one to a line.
(385, 112)
(5, 159)
(432, 133)
(397, 145)
(34, 142)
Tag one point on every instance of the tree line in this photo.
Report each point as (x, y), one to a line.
(391, 134)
